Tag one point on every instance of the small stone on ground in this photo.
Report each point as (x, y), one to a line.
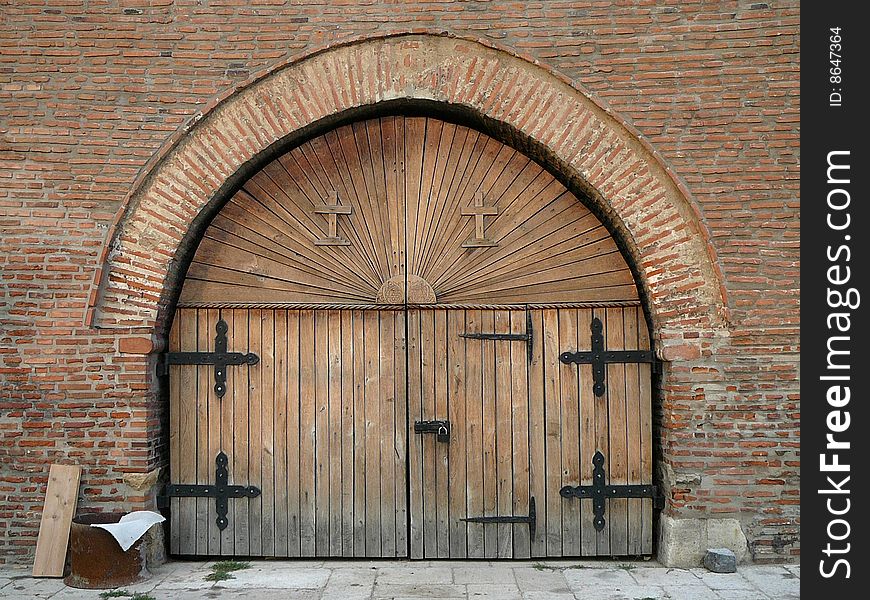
(720, 560)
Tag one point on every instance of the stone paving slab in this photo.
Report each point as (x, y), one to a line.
(444, 580)
(539, 580)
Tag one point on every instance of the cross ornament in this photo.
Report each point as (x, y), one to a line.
(479, 211)
(332, 209)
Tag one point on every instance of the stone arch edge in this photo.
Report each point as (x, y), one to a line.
(607, 134)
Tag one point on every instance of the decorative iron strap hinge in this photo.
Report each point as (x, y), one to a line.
(220, 358)
(511, 337)
(599, 491)
(531, 519)
(221, 491)
(599, 358)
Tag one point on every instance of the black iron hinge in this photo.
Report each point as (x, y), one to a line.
(221, 491)
(220, 359)
(531, 519)
(599, 358)
(510, 337)
(599, 492)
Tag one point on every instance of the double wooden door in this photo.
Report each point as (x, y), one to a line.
(323, 425)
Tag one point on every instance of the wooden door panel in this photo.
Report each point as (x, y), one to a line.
(471, 384)
(521, 428)
(318, 425)
(618, 424)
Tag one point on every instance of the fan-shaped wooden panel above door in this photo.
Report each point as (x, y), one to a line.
(402, 209)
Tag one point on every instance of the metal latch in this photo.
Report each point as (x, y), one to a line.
(440, 428)
(527, 337)
(531, 519)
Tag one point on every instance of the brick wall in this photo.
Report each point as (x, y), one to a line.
(89, 91)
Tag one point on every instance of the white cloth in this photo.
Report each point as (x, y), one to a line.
(131, 527)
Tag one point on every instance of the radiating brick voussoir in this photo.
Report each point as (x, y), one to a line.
(617, 169)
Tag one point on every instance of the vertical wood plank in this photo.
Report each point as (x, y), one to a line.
(538, 437)
(518, 374)
(588, 444)
(373, 432)
(387, 420)
(359, 419)
(204, 395)
(294, 430)
(645, 411)
(256, 444)
(307, 435)
(188, 395)
(428, 443)
(395, 209)
(321, 429)
(617, 473)
(281, 438)
(401, 426)
(488, 427)
(456, 414)
(553, 432)
(416, 244)
(266, 368)
(602, 442)
(227, 427)
(175, 401)
(347, 433)
(633, 434)
(441, 411)
(474, 434)
(214, 410)
(415, 441)
(415, 137)
(570, 434)
(238, 462)
(504, 454)
(334, 418)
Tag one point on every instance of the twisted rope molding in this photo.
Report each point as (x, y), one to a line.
(321, 306)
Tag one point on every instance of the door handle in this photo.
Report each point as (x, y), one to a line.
(441, 429)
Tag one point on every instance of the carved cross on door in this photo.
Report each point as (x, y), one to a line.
(479, 211)
(332, 210)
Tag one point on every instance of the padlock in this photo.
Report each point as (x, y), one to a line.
(443, 434)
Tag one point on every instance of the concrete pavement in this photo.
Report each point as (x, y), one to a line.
(405, 580)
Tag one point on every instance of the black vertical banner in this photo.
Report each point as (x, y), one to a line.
(835, 301)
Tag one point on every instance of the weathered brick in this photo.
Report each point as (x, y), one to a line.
(711, 88)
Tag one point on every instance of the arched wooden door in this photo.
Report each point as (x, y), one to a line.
(387, 306)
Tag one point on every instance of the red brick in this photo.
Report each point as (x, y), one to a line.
(715, 94)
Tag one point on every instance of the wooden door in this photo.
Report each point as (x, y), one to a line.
(481, 389)
(522, 426)
(319, 264)
(317, 425)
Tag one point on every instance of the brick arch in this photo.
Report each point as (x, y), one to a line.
(591, 147)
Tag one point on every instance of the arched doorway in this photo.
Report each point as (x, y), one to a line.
(408, 286)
